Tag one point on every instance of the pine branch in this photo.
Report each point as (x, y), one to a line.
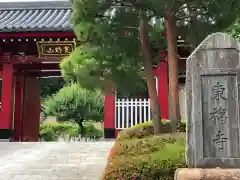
(138, 4)
(190, 16)
(190, 7)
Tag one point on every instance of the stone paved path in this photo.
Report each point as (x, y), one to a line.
(53, 161)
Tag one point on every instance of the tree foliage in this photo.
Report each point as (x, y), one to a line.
(197, 19)
(50, 86)
(234, 29)
(74, 102)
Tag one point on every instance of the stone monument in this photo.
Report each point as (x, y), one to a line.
(213, 107)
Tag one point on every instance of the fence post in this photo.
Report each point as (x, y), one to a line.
(131, 111)
(136, 111)
(149, 110)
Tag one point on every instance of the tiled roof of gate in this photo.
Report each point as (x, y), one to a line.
(35, 16)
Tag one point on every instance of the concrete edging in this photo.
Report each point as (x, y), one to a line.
(207, 174)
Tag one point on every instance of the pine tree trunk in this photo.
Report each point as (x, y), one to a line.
(174, 106)
(148, 70)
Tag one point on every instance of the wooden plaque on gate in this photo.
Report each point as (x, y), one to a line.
(55, 48)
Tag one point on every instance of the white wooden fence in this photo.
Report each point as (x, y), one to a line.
(130, 112)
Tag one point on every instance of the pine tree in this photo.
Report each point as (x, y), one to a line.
(118, 37)
(73, 102)
(110, 49)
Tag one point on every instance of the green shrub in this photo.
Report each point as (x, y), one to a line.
(150, 158)
(146, 129)
(92, 131)
(138, 153)
(47, 133)
(51, 132)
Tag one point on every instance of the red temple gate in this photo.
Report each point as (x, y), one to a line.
(33, 38)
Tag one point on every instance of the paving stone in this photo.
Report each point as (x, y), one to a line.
(53, 161)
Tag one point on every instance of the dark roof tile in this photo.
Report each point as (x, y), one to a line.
(35, 16)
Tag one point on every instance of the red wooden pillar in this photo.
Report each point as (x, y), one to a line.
(31, 109)
(109, 113)
(7, 102)
(163, 89)
(161, 72)
(18, 110)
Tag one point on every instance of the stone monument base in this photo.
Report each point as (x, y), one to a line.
(207, 174)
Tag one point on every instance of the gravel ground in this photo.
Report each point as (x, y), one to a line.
(53, 161)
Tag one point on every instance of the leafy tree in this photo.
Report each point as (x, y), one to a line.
(73, 102)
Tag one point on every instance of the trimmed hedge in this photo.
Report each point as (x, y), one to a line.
(138, 154)
(91, 131)
(51, 132)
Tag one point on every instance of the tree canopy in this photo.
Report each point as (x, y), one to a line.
(109, 45)
(119, 37)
